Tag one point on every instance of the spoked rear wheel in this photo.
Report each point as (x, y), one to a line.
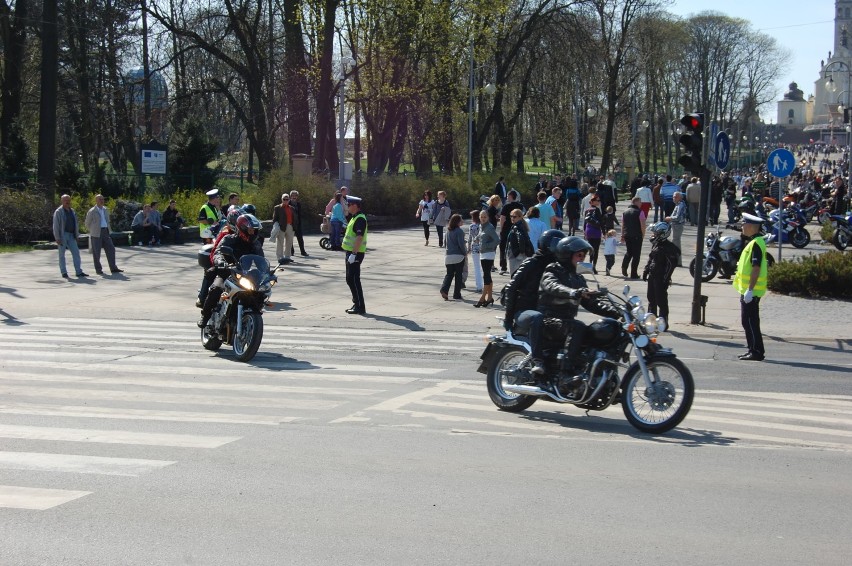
(505, 370)
(248, 340)
(662, 406)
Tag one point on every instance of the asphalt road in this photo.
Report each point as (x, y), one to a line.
(371, 440)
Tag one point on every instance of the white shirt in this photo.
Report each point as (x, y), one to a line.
(102, 212)
(645, 194)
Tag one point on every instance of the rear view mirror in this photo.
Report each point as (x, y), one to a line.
(585, 267)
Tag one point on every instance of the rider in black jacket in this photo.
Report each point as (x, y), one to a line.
(563, 290)
(521, 294)
(230, 249)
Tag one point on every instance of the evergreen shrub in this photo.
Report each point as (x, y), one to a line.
(825, 275)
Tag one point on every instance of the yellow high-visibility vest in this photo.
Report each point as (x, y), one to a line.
(744, 267)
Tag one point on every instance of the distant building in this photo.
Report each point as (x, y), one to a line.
(794, 110)
(135, 80)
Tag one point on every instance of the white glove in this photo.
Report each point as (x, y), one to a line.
(748, 296)
(351, 258)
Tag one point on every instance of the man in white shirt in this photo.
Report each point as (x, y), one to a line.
(646, 195)
(97, 223)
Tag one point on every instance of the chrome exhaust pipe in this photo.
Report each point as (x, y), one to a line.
(535, 392)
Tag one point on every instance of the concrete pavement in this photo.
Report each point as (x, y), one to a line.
(401, 278)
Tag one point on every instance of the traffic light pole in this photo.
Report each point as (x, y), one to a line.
(703, 206)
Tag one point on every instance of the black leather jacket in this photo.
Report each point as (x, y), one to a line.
(522, 290)
(232, 248)
(560, 295)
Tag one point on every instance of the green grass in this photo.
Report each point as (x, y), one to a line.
(12, 248)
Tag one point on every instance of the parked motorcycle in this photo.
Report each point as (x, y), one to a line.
(721, 256)
(655, 391)
(791, 230)
(842, 231)
(236, 319)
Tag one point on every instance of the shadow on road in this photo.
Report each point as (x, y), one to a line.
(409, 324)
(10, 320)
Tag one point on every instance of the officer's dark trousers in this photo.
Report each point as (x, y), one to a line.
(751, 324)
(353, 279)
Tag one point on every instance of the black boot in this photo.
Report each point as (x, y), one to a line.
(209, 304)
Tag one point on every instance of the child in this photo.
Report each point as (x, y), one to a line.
(609, 220)
(609, 248)
(473, 248)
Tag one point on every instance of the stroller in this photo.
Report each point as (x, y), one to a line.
(325, 228)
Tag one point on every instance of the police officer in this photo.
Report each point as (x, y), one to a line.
(355, 245)
(209, 216)
(750, 283)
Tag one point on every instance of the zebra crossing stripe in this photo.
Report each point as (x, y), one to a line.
(113, 436)
(36, 499)
(72, 463)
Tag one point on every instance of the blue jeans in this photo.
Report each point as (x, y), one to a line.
(532, 320)
(336, 233)
(69, 242)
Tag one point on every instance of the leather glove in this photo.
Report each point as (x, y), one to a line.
(748, 296)
(645, 276)
(351, 258)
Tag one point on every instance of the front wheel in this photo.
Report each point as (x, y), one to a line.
(505, 370)
(708, 268)
(248, 340)
(800, 238)
(840, 239)
(663, 405)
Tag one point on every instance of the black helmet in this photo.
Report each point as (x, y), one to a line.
(547, 242)
(249, 209)
(567, 247)
(248, 227)
(660, 231)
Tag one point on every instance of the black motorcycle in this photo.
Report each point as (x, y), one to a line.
(655, 391)
(236, 319)
(721, 256)
(842, 232)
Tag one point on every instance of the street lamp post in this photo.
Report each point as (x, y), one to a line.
(489, 89)
(345, 64)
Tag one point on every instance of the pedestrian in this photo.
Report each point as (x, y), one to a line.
(473, 248)
(455, 258)
(693, 200)
(667, 191)
(66, 231)
(424, 213)
(546, 213)
(296, 206)
(97, 223)
(609, 220)
(488, 242)
(511, 205)
(143, 229)
(571, 210)
(632, 234)
(343, 192)
(610, 244)
(441, 212)
(592, 229)
(750, 283)
(554, 201)
(338, 221)
(646, 194)
(518, 245)
(173, 221)
(233, 200)
(658, 271)
(677, 220)
(500, 190)
(284, 216)
(209, 216)
(156, 224)
(494, 206)
(658, 200)
(355, 245)
(535, 227)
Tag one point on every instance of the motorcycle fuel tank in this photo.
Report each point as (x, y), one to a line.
(603, 331)
(729, 243)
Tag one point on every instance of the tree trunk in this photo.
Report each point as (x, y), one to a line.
(47, 107)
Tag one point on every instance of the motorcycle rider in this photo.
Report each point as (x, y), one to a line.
(658, 271)
(561, 292)
(230, 227)
(521, 295)
(231, 248)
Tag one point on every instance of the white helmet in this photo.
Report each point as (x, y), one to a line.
(660, 231)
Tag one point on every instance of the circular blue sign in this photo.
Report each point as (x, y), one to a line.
(722, 149)
(781, 163)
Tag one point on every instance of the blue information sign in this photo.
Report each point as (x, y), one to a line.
(722, 149)
(781, 163)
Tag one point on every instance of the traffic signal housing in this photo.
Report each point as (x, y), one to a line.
(692, 141)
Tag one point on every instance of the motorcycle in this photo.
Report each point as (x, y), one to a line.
(721, 256)
(791, 230)
(655, 391)
(236, 320)
(842, 232)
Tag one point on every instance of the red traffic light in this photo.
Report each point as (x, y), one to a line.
(693, 123)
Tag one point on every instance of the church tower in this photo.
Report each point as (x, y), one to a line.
(843, 28)
(833, 89)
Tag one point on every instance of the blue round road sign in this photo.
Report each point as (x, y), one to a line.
(781, 163)
(722, 149)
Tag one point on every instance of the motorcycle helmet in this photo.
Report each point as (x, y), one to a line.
(249, 209)
(248, 227)
(660, 231)
(567, 247)
(746, 204)
(234, 212)
(548, 241)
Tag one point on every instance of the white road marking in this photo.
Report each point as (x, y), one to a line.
(72, 463)
(139, 414)
(114, 436)
(36, 499)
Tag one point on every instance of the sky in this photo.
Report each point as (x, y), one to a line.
(804, 27)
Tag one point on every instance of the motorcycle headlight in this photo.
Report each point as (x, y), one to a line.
(649, 321)
(246, 284)
(638, 313)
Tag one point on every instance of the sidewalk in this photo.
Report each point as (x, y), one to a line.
(401, 278)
